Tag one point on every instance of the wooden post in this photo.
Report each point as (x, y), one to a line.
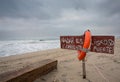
(84, 71)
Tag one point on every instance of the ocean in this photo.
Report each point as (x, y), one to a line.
(17, 47)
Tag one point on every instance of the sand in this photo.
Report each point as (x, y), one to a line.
(100, 67)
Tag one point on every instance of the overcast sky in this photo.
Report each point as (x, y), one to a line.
(32, 19)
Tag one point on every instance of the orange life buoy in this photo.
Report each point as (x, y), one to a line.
(86, 45)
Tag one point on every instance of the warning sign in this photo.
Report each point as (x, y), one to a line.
(100, 44)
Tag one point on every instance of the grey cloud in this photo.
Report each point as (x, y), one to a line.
(110, 7)
(22, 8)
(43, 9)
(40, 18)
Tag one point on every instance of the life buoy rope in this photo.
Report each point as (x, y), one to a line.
(86, 45)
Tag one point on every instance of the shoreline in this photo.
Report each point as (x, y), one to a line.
(25, 53)
(100, 67)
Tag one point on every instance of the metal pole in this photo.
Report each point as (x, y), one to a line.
(84, 71)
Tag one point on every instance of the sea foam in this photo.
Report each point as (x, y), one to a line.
(14, 47)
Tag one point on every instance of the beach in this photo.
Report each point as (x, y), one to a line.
(100, 67)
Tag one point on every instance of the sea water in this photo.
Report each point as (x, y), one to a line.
(16, 47)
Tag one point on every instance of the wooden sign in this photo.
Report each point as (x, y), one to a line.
(100, 44)
(72, 42)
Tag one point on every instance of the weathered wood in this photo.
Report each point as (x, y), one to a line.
(29, 73)
(99, 44)
(84, 70)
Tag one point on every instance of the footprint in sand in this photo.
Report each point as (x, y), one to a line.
(56, 80)
(63, 77)
(118, 62)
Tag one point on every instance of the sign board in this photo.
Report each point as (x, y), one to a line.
(100, 44)
(72, 42)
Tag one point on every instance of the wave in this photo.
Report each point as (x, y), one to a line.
(8, 48)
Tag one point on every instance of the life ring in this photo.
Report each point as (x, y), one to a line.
(86, 45)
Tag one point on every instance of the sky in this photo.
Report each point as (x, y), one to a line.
(33, 19)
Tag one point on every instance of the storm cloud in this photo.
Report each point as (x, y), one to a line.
(20, 19)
